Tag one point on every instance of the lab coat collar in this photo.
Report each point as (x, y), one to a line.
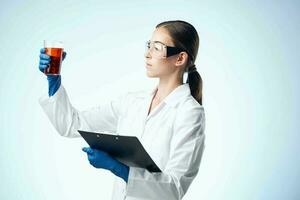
(175, 96)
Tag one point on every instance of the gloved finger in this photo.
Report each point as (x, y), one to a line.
(92, 160)
(44, 56)
(91, 157)
(88, 150)
(42, 67)
(64, 55)
(92, 163)
(44, 62)
(42, 50)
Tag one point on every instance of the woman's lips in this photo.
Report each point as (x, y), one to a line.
(148, 65)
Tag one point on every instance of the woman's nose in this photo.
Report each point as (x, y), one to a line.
(147, 54)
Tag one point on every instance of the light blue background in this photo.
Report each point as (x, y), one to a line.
(248, 59)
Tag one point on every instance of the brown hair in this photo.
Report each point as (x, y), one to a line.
(185, 36)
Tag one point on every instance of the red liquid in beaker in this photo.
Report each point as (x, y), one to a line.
(56, 59)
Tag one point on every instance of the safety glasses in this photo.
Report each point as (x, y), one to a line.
(160, 50)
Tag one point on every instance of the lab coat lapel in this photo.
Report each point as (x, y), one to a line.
(148, 101)
(172, 99)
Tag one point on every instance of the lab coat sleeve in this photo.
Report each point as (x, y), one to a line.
(187, 147)
(67, 120)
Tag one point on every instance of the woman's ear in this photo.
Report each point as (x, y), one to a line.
(182, 58)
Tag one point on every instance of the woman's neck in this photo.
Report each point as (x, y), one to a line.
(165, 87)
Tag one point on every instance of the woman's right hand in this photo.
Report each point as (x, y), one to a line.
(54, 81)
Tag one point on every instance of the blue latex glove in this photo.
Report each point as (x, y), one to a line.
(101, 159)
(54, 81)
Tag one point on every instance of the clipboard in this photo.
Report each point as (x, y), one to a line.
(126, 149)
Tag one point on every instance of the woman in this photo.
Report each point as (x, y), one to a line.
(169, 121)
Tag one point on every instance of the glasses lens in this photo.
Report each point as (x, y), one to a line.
(157, 49)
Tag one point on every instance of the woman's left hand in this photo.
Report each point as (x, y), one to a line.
(100, 159)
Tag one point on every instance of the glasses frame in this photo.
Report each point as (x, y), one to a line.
(170, 50)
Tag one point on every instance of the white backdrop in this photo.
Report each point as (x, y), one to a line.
(247, 59)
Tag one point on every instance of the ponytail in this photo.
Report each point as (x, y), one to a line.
(195, 82)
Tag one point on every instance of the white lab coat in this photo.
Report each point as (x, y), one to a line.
(172, 134)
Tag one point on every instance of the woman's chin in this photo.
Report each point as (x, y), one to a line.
(150, 74)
